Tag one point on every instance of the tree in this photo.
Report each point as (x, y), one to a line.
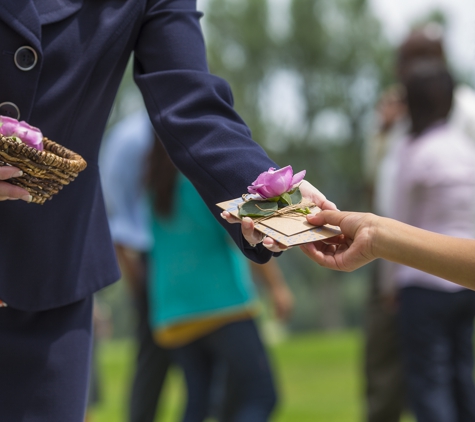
(305, 76)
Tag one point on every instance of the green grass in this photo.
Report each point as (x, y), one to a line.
(319, 379)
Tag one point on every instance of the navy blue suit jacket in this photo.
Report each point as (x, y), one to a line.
(60, 252)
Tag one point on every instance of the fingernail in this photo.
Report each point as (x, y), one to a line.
(17, 174)
(247, 222)
(26, 198)
(222, 216)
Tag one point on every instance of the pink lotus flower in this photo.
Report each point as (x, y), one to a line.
(274, 182)
(30, 135)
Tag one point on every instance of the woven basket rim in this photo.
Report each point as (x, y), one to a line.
(54, 155)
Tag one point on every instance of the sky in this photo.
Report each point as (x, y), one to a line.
(397, 16)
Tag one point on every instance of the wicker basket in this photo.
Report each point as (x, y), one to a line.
(44, 172)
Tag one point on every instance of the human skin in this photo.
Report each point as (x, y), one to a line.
(9, 191)
(367, 237)
(254, 237)
(279, 293)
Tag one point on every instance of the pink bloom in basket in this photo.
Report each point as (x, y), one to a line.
(30, 135)
(274, 182)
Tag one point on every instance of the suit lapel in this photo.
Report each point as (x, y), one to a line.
(22, 17)
(56, 10)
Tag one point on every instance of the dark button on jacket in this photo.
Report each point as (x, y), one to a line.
(9, 109)
(25, 58)
(60, 252)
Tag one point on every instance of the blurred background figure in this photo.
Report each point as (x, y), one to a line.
(385, 384)
(435, 191)
(203, 304)
(123, 163)
(102, 330)
(306, 76)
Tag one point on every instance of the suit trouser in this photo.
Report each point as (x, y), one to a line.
(385, 391)
(44, 363)
(437, 343)
(151, 368)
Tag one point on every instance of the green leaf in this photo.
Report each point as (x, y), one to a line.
(290, 198)
(296, 196)
(286, 199)
(273, 199)
(304, 211)
(257, 209)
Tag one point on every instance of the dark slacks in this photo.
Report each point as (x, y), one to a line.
(436, 333)
(240, 348)
(385, 389)
(151, 368)
(44, 363)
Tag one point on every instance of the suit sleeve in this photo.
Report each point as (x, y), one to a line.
(192, 110)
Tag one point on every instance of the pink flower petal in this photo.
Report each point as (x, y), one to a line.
(298, 177)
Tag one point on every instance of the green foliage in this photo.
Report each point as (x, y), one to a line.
(335, 53)
(321, 64)
(319, 378)
(333, 58)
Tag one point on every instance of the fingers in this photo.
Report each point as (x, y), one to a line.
(7, 172)
(322, 254)
(312, 193)
(328, 205)
(273, 245)
(253, 236)
(9, 191)
(250, 234)
(230, 218)
(327, 217)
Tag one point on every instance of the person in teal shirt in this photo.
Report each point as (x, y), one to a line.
(203, 302)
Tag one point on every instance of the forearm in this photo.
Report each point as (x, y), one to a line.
(270, 274)
(443, 256)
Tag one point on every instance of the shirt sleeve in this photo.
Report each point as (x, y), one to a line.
(123, 161)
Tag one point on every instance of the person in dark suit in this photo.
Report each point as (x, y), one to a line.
(61, 66)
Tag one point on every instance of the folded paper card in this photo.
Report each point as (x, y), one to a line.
(289, 229)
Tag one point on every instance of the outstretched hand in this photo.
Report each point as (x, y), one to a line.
(348, 251)
(9, 191)
(253, 236)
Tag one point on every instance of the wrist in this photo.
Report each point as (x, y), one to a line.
(381, 237)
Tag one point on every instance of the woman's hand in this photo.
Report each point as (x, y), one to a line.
(9, 191)
(254, 237)
(348, 251)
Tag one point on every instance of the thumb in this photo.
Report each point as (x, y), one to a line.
(327, 217)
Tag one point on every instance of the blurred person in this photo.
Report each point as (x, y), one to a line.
(102, 329)
(129, 222)
(385, 389)
(203, 304)
(435, 191)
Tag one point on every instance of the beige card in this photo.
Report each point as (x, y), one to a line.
(288, 230)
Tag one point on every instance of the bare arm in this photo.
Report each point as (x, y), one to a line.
(367, 237)
(132, 267)
(273, 279)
